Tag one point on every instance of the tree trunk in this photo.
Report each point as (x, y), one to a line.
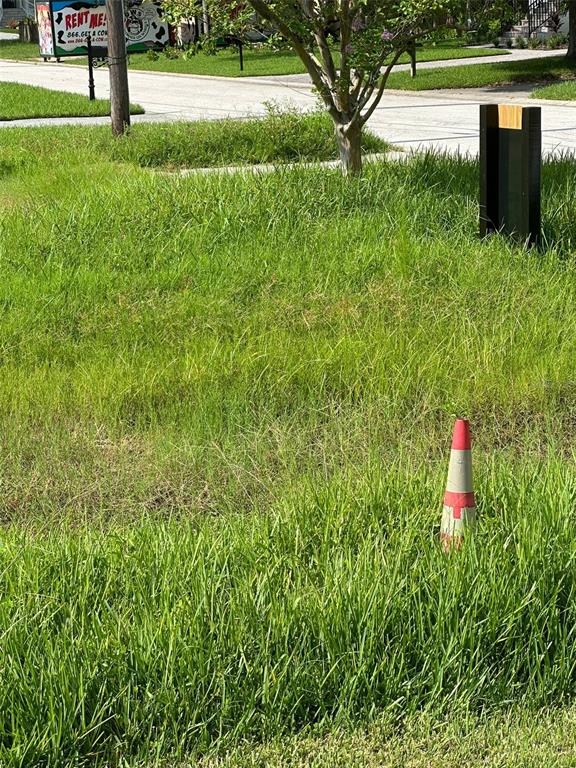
(571, 30)
(469, 22)
(205, 18)
(349, 139)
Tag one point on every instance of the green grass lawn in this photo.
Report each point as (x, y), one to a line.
(225, 405)
(562, 91)
(14, 49)
(264, 62)
(257, 62)
(18, 102)
(279, 137)
(500, 73)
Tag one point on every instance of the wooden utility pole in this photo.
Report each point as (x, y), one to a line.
(118, 65)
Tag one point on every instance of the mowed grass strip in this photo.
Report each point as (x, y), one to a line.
(537, 70)
(20, 102)
(258, 61)
(518, 739)
(560, 91)
(261, 62)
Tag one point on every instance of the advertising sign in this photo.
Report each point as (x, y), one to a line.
(45, 39)
(67, 24)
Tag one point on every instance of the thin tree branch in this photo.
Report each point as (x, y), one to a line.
(325, 52)
(384, 79)
(357, 84)
(316, 20)
(346, 95)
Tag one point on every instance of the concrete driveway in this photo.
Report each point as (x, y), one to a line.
(443, 120)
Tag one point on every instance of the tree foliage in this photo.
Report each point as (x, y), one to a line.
(176, 10)
(349, 47)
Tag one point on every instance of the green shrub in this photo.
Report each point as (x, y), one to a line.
(557, 41)
(191, 51)
(171, 53)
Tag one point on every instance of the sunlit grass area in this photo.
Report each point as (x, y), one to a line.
(565, 91)
(18, 102)
(539, 70)
(226, 404)
(258, 61)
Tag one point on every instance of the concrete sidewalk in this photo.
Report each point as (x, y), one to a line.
(442, 120)
(448, 121)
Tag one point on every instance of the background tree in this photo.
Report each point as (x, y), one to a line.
(492, 18)
(349, 48)
(175, 11)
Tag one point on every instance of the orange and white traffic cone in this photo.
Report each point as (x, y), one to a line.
(459, 511)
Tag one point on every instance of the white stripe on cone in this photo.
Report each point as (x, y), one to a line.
(460, 472)
(459, 510)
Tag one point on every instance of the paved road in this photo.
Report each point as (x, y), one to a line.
(444, 120)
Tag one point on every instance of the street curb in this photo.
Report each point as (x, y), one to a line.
(391, 157)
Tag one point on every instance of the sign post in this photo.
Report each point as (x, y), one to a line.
(510, 171)
(91, 88)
